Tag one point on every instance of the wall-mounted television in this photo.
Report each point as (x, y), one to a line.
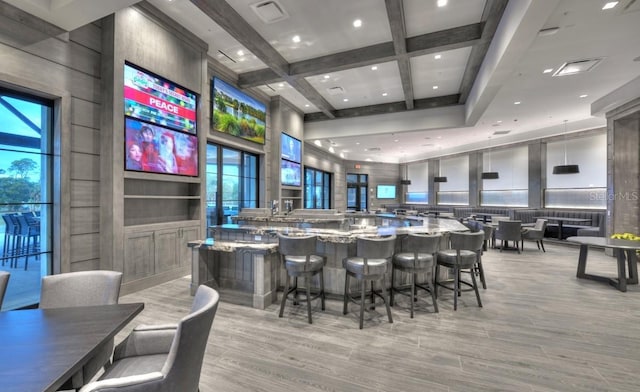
(290, 148)
(236, 113)
(153, 99)
(156, 149)
(386, 192)
(290, 173)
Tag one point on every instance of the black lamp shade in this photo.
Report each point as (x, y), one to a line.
(439, 179)
(490, 176)
(405, 182)
(566, 169)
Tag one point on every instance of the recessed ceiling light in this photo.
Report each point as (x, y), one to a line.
(318, 143)
(327, 76)
(437, 56)
(583, 96)
(396, 140)
(306, 105)
(280, 84)
(548, 70)
(610, 5)
(357, 143)
(341, 155)
(442, 3)
(240, 53)
(375, 67)
(499, 121)
(384, 94)
(517, 103)
(368, 159)
(331, 149)
(296, 38)
(435, 87)
(357, 23)
(346, 100)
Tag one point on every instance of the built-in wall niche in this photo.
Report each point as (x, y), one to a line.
(148, 201)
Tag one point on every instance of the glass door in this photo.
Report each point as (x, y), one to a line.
(357, 186)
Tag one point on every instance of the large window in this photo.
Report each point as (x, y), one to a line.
(357, 185)
(317, 189)
(26, 124)
(232, 183)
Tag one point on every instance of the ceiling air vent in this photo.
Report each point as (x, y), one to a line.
(576, 67)
(337, 90)
(501, 132)
(269, 11)
(371, 149)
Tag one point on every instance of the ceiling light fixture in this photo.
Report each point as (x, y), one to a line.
(440, 177)
(346, 100)
(583, 96)
(357, 23)
(442, 3)
(240, 53)
(342, 155)
(490, 175)
(566, 169)
(317, 143)
(296, 38)
(306, 105)
(384, 94)
(517, 103)
(576, 67)
(375, 67)
(331, 149)
(435, 87)
(327, 76)
(548, 70)
(437, 56)
(610, 5)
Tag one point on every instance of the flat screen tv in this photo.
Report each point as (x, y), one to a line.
(236, 113)
(290, 173)
(153, 99)
(290, 148)
(386, 192)
(155, 149)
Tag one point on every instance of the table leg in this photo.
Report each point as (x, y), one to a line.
(582, 260)
(621, 284)
(559, 229)
(632, 260)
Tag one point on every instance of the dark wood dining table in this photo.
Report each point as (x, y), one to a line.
(41, 348)
(625, 255)
(561, 221)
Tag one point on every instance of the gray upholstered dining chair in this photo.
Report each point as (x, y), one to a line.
(83, 288)
(163, 358)
(535, 233)
(509, 230)
(4, 281)
(417, 255)
(300, 261)
(465, 252)
(371, 263)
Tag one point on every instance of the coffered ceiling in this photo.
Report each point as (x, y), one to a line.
(416, 80)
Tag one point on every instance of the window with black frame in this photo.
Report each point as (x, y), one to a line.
(232, 183)
(26, 194)
(317, 189)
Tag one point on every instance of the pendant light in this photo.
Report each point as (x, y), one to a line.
(439, 177)
(405, 177)
(566, 168)
(490, 175)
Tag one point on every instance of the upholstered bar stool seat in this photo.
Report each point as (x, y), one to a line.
(299, 260)
(463, 256)
(371, 263)
(417, 255)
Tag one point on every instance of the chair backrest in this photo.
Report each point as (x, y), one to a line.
(467, 241)
(376, 247)
(10, 223)
(296, 246)
(421, 243)
(510, 229)
(184, 362)
(84, 288)
(541, 225)
(4, 281)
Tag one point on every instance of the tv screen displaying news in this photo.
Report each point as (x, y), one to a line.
(291, 148)
(155, 149)
(290, 173)
(236, 113)
(386, 192)
(153, 99)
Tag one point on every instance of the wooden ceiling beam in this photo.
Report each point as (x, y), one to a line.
(395, 14)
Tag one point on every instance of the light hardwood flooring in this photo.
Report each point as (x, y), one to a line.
(540, 329)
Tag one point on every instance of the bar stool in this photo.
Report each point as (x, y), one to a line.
(462, 257)
(371, 263)
(417, 256)
(299, 260)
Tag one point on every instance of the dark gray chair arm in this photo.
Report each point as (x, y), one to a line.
(146, 340)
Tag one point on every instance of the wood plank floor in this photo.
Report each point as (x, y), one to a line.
(540, 329)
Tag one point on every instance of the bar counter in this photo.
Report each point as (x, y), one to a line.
(242, 262)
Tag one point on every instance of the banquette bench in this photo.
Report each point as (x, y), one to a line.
(595, 226)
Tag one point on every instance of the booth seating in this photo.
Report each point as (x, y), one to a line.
(465, 212)
(595, 229)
